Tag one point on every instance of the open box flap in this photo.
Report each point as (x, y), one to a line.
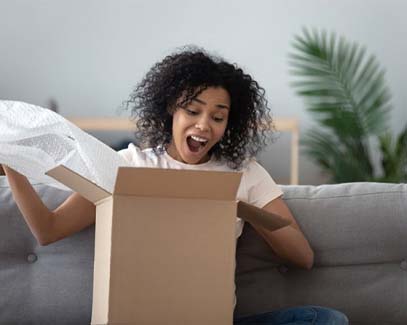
(174, 183)
(77, 183)
(268, 220)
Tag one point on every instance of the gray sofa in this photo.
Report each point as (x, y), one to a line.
(358, 232)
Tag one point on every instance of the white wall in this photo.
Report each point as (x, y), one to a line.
(89, 54)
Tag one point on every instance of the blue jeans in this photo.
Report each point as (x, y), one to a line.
(295, 316)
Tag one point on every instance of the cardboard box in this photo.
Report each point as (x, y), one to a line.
(165, 244)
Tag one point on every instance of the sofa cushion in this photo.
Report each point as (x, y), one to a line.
(42, 284)
(358, 232)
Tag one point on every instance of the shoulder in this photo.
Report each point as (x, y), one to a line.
(259, 184)
(130, 152)
(139, 157)
(254, 173)
(251, 168)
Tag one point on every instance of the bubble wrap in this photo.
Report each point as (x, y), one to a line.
(34, 140)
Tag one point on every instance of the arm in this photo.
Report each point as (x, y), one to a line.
(289, 242)
(47, 226)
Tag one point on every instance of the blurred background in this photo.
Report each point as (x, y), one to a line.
(84, 57)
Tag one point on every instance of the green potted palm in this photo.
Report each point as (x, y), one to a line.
(345, 91)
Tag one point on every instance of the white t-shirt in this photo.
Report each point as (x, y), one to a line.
(256, 186)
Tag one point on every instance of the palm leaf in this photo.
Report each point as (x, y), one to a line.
(346, 93)
(329, 154)
(394, 157)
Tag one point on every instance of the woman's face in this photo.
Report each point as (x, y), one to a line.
(199, 126)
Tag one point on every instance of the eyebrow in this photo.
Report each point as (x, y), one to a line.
(204, 103)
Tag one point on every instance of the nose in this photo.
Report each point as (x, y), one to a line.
(202, 124)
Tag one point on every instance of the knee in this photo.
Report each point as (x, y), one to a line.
(339, 318)
(330, 316)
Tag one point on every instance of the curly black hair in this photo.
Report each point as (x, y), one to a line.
(185, 74)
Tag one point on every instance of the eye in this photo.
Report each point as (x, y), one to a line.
(190, 111)
(218, 119)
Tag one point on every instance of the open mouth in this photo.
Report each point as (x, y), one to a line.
(196, 144)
